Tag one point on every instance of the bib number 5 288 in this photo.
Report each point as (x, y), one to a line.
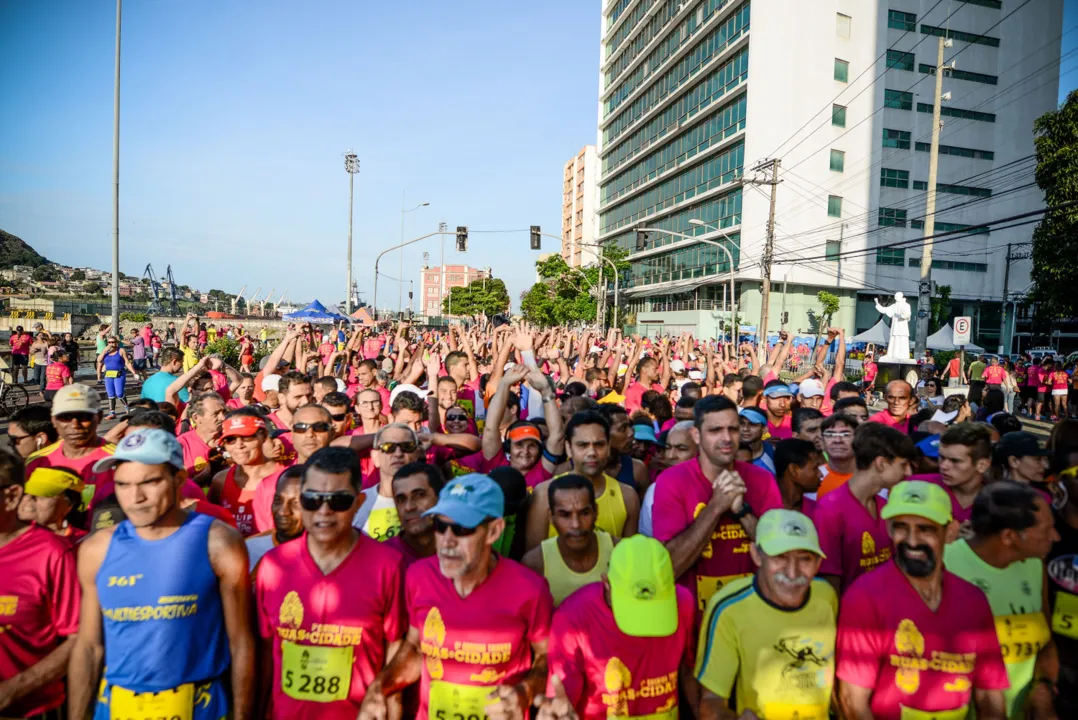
(316, 684)
(446, 715)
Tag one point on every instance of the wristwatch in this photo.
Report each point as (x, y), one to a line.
(746, 509)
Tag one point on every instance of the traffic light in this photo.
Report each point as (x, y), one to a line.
(536, 242)
(462, 238)
(641, 240)
(785, 317)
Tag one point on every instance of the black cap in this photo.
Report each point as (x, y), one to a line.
(1020, 444)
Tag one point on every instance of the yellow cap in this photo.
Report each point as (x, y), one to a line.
(920, 498)
(780, 531)
(642, 590)
(611, 398)
(47, 482)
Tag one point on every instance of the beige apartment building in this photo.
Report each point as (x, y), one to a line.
(578, 221)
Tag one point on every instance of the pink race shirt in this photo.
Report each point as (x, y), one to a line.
(784, 430)
(885, 417)
(587, 648)
(961, 514)
(20, 344)
(329, 632)
(39, 606)
(853, 541)
(471, 645)
(993, 375)
(911, 657)
(55, 376)
(681, 494)
(53, 456)
(635, 393)
(262, 504)
(195, 452)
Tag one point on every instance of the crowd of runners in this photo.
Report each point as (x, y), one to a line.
(505, 522)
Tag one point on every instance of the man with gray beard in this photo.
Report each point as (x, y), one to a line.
(769, 640)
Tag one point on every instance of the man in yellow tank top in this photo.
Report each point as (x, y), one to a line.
(587, 444)
(579, 555)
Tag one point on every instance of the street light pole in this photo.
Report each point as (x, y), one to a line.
(379, 259)
(351, 166)
(442, 227)
(116, 182)
(733, 311)
(400, 280)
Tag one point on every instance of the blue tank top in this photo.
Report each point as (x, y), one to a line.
(113, 361)
(625, 472)
(163, 620)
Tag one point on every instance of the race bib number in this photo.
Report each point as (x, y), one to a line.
(956, 714)
(450, 701)
(1021, 637)
(794, 711)
(382, 524)
(112, 373)
(671, 714)
(314, 673)
(1065, 616)
(706, 586)
(175, 704)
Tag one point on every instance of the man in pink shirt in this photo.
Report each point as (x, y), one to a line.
(853, 534)
(914, 640)
(899, 398)
(994, 374)
(777, 398)
(647, 371)
(705, 510)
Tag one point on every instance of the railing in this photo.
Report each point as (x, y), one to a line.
(686, 305)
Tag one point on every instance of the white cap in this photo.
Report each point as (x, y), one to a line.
(810, 388)
(271, 382)
(341, 386)
(944, 417)
(696, 374)
(677, 366)
(405, 387)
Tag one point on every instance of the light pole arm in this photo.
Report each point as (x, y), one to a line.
(397, 247)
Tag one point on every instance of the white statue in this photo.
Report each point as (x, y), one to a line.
(898, 347)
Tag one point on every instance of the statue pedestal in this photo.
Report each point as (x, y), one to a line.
(897, 369)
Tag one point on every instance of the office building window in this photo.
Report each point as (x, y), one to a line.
(896, 139)
(891, 256)
(838, 116)
(898, 99)
(942, 227)
(838, 160)
(891, 217)
(952, 265)
(954, 189)
(957, 151)
(842, 70)
(834, 206)
(901, 20)
(899, 60)
(832, 250)
(959, 35)
(994, 4)
(926, 69)
(894, 178)
(957, 113)
(842, 25)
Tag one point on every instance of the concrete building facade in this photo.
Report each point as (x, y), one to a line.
(578, 221)
(435, 282)
(694, 95)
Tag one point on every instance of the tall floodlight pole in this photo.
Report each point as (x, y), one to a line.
(116, 183)
(351, 166)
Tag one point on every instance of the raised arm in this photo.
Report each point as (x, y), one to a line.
(172, 392)
(492, 436)
(555, 441)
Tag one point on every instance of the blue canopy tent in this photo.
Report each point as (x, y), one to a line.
(317, 313)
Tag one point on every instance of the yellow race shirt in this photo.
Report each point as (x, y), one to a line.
(782, 662)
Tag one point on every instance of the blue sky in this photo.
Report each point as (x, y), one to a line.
(234, 121)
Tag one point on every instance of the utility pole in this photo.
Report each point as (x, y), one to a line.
(116, 182)
(1011, 256)
(769, 253)
(924, 288)
(442, 228)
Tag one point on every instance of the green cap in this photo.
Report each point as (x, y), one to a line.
(780, 531)
(920, 498)
(642, 590)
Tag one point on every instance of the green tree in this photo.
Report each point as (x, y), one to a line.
(485, 296)
(91, 288)
(941, 308)
(44, 273)
(77, 276)
(566, 295)
(829, 305)
(1055, 240)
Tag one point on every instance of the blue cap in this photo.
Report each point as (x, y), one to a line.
(753, 415)
(777, 391)
(930, 446)
(645, 433)
(150, 446)
(469, 500)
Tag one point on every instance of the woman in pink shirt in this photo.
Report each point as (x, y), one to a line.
(1060, 383)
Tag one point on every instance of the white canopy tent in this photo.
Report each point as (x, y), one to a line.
(879, 334)
(943, 339)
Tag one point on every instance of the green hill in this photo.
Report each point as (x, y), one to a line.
(13, 251)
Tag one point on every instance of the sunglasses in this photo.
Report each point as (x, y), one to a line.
(75, 417)
(17, 438)
(233, 438)
(407, 447)
(441, 527)
(338, 501)
(318, 427)
(456, 417)
(339, 417)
